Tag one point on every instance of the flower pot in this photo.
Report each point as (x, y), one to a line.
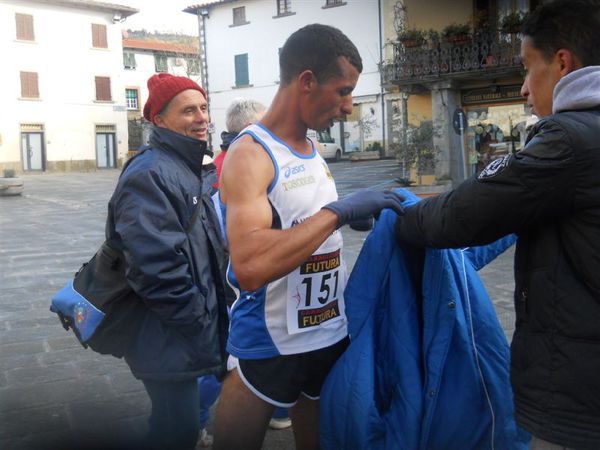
(11, 186)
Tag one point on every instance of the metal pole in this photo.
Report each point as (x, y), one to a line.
(462, 145)
(381, 90)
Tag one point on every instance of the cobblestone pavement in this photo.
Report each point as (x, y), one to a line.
(53, 393)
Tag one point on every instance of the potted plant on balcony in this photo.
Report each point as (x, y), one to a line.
(10, 184)
(457, 33)
(512, 22)
(411, 37)
(433, 38)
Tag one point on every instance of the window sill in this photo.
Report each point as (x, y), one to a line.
(129, 68)
(26, 41)
(233, 25)
(105, 49)
(30, 99)
(279, 16)
(104, 101)
(242, 86)
(335, 5)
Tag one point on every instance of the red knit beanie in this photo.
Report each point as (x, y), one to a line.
(162, 88)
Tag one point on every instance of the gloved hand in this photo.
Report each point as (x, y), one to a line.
(362, 224)
(365, 204)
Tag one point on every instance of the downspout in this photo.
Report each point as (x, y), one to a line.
(381, 90)
(202, 16)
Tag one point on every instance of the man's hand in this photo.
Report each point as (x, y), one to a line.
(365, 204)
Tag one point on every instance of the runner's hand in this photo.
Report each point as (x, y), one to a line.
(365, 204)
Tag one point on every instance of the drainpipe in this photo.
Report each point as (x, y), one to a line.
(202, 16)
(381, 90)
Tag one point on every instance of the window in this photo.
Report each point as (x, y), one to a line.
(239, 16)
(193, 66)
(332, 3)
(103, 89)
(99, 36)
(24, 27)
(284, 7)
(129, 60)
(241, 70)
(131, 98)
(29, 85)
(160, 63)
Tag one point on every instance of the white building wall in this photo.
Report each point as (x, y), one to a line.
(67, 64)
(264, 35)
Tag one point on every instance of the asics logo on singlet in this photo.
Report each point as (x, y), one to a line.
(289, 171)
(298, 221)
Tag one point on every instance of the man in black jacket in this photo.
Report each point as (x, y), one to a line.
(175, 260)
(549, 194)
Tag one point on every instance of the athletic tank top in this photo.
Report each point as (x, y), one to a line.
(304, 310)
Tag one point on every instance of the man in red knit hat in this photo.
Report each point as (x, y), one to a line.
(163, 219)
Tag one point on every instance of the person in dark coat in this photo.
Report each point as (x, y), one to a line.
(175, 261)
(549, 195)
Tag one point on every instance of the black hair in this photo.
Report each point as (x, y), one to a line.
(317, 48)
(570, 24)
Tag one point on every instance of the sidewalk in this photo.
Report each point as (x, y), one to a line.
(53, 393)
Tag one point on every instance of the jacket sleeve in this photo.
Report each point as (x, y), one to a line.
(511, 194)
(156, 250)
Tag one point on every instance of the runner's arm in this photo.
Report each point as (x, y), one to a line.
(260, 254)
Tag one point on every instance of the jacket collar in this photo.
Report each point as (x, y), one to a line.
(190, 151)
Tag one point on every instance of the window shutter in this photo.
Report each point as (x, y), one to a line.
(239, 15)
(241, 70)
(103, 89)
(24, 27)
(129, 60)
(29, 85)
(99, 36)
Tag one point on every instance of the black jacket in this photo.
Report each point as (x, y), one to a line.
(549, 194)
(179, 276)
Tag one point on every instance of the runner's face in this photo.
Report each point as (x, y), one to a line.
(332, 98)
(186, 114)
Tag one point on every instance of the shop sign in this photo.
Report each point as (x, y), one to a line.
(492, 95)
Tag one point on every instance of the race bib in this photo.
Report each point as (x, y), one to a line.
(315, 292)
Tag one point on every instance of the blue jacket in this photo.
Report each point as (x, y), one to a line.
(179, 275)
(424, 370)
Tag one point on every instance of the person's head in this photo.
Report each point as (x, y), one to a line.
(178, 104)
(558, 38)
(241, 113)
(325, 64)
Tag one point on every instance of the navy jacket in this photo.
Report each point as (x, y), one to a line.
(426, 368)
(179, 276)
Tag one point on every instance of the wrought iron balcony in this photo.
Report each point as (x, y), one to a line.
(490, 54)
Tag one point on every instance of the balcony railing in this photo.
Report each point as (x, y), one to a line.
(481, 53)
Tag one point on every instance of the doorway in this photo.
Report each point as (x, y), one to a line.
(106, 155)
(32, 148)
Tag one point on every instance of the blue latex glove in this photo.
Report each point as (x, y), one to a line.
(365, 204)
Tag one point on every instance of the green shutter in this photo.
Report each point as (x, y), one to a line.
(241, 70)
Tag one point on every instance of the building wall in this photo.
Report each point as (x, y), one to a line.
(66, 64)
(262, 38)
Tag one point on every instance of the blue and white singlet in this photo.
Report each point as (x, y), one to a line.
(304, 310)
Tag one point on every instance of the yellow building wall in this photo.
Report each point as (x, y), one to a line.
(419, 109)
(437, 14)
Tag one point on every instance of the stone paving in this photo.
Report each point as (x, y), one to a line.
(53, 393)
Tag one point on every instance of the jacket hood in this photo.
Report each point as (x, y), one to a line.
(578, 90)
(191, 151)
